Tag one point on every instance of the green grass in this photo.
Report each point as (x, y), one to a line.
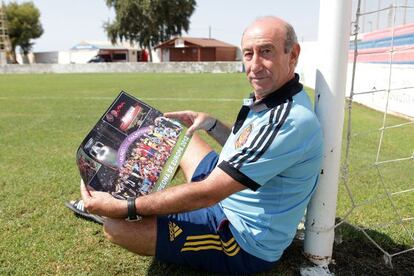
(370, 183)
(43, 119)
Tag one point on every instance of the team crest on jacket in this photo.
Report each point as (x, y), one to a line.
(244, 135)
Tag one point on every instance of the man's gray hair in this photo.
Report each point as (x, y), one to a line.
(291, 38)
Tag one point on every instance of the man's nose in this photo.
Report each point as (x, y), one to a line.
(256, 63)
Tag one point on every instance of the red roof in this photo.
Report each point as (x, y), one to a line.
(201, 42)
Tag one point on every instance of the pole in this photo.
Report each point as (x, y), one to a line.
(378, 14)
(334, 37)
(405, 12)
(364, 17)
(391, 11)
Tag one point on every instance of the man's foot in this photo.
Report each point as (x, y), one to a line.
(78, 208)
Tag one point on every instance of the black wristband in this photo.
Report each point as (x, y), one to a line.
(132, 209)
(214, 125)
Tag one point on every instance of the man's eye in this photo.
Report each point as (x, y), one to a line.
(266, 51)
(247, 55)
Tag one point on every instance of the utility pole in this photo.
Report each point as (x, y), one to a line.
(378, 14)
(363, 17)
(391, 12)
(5, 46)
(405, 12)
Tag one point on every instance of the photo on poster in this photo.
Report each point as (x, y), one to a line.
(143, 156)
(87, 166)
(126, 114)
(102, 145)
(103, 180)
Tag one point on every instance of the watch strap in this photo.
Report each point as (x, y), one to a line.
(132, 210)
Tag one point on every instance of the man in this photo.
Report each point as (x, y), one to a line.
(244, 208)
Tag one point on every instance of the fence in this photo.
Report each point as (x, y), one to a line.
(125, 67)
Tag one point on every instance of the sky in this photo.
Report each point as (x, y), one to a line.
(68, 22)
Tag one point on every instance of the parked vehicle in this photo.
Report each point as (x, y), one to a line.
(99, 58)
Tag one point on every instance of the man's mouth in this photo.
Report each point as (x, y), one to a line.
(258, 78)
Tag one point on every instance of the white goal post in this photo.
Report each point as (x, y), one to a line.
(331, 71)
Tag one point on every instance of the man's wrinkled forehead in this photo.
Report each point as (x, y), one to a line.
(268, 28)
(262, 38)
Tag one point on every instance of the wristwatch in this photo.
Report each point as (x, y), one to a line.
(132, 210)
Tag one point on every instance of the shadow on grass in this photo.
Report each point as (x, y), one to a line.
(355, 255)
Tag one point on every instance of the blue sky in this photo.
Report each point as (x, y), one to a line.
(67, 22)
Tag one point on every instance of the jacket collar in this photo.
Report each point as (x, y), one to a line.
(277, 97)
(274, 99)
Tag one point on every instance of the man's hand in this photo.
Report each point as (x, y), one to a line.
(193, 120)
(103, 204)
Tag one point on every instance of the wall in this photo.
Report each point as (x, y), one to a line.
(208, 54)
(65, 57)
(226, 54)
(371, 76)
(125, 67)
(183, 54)
(132, 56)
(156, 55)
(77, 56)
(3, 59)
(308, 60)
(368, 76)
(46, 57)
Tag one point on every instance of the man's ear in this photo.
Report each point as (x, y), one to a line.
(294, 54)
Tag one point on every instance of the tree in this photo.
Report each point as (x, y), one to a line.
(149, 22)
(23, 22)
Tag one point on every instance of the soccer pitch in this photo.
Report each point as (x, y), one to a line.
(43, 119)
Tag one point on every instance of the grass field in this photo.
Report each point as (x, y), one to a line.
(43, 119)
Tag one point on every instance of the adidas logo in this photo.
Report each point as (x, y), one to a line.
(211, 242)
(175, 231)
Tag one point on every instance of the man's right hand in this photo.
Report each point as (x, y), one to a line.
(102, 203)
(193, 120)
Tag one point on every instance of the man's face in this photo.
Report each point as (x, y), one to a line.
(268, 67)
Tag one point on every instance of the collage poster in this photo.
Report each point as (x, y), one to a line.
(132, 151)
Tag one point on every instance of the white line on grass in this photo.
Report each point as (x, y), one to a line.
(111, 98)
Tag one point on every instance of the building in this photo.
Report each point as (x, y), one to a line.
(196, 49)
(94, 51)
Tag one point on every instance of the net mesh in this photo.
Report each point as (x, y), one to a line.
(377, 174)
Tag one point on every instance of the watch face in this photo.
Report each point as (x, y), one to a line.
(138, 218)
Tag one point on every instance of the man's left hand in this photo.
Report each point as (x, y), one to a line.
(103, 204)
